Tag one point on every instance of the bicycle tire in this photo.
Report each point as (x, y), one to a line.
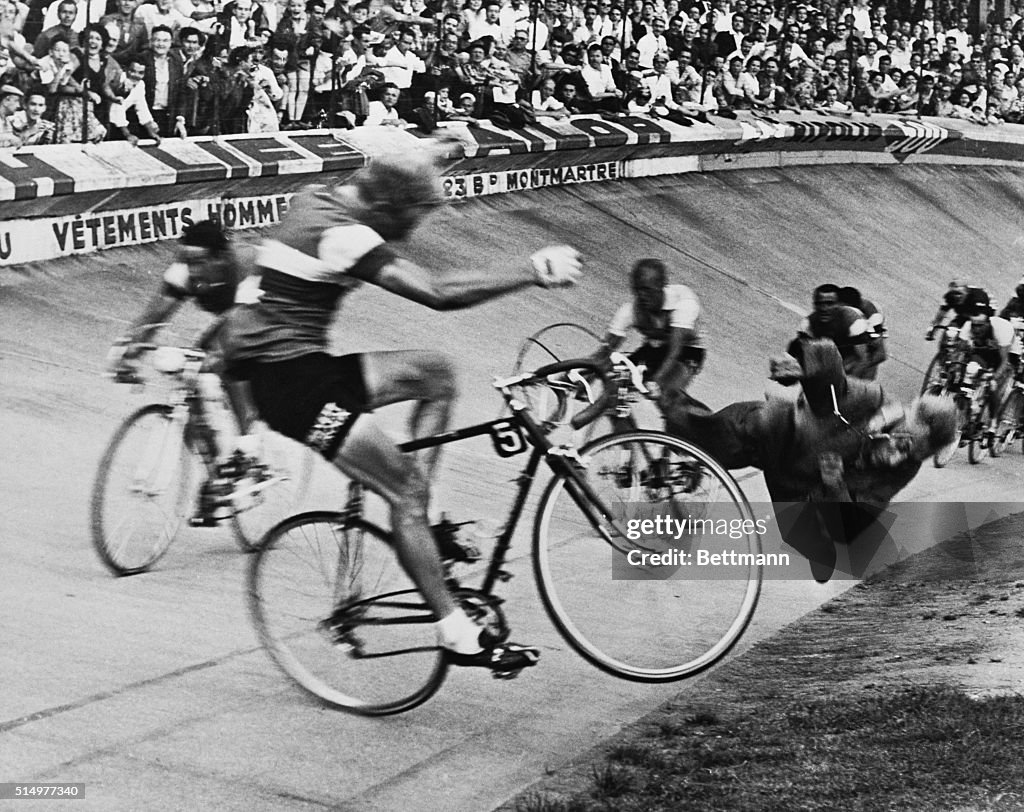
(161, 465)
(944, 456)
(555, 342)
(976, 446)
(1009, 422)
(365, 660)
(659, 629)
(290, 464)
(930, 381)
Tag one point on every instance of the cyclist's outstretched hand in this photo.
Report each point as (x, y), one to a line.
(557, 266)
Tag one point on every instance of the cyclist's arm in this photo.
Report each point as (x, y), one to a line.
(1004, 362)
(942, 315)
(457, 289)
(615, 334)
(157, 312)
(678, 337)
(609, 344)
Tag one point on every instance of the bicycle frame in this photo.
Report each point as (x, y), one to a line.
(507, 435)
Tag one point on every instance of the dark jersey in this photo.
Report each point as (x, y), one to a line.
(212, 285)
(1014, 309)
(974, 298)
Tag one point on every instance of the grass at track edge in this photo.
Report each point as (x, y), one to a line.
(905, 692)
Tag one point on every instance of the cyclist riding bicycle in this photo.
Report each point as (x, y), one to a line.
(331, 241)
(1015, 307)
(1014, 313)
(958, 303)
(206, 270)
(874, 347)
(988, 340)
(668, 318)
(845, 326)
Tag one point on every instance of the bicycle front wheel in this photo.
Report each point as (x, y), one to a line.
(339, 615)
(633, 616)
(944, 455)
(978, 437)
(932, 382)
(1009, 422)
(288, 469)
(142, 490)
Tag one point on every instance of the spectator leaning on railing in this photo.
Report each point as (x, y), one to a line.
(10, 102)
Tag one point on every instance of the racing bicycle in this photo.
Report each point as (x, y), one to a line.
(340, 617)
(969, 387)
(148, 478)
(1011, 417)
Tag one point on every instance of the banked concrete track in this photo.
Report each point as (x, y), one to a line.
(152, 689)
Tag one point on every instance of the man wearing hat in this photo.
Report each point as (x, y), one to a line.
(519, 58)
(10, 103)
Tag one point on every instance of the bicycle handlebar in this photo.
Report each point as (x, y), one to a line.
(600, 368)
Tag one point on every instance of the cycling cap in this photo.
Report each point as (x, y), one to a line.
(205, 234)
(400, 183)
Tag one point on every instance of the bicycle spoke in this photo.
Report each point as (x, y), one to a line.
(643, 623)
(340, 617)
(141, 491)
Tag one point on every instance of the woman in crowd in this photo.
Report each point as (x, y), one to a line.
(304, 35)
(63, 76)
(97, 72)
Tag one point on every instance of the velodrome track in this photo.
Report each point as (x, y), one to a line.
(152, 689)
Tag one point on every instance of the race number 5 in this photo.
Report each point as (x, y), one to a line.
(507, 438)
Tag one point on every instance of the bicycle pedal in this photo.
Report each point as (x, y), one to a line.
(506, 675)
(351, 644)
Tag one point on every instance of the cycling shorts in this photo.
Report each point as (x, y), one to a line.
(315, 398)
(654, 357)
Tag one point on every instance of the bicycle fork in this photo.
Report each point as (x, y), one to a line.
(155, 472)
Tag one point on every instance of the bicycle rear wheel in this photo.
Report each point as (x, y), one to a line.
(560, 341)
(142, 490)
(289, 469)
(647, 623)
(339, 615)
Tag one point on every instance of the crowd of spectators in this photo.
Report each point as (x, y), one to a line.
(91, 70)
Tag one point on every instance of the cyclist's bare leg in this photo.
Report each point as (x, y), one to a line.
(371, 457)
(423, 376)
